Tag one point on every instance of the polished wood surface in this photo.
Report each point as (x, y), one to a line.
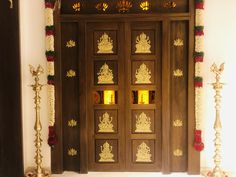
(11, 148)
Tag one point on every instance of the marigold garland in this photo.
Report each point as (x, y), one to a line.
(198, 58)
(50, 55)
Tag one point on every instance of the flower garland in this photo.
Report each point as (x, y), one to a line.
(50, 55)
(198, 57)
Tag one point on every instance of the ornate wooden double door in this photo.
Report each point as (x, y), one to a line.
(127, 94)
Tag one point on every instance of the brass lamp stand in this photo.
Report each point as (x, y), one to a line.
(37, 87)
(217, 86)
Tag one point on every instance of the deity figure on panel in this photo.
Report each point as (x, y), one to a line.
(143, 75)
(143, 123)
(105, 75)
(106, 153)
(144, 153)
(105, 44)
(105, 124)
(143, 44)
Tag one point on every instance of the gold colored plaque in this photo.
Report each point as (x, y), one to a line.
(70, 44)
(70, 73)
(124, 5)
(177, 123)
(105, 44)
(178, 73)
(105, 124)
(77, 7)
(143, 44)
(178, 42)
(144, 5)
(143, 75)
(143, 123)
(178, 153)
(72, 152)
(106, 153)
(143, 153)
(102, 6)
(72, 123)
(105, 75)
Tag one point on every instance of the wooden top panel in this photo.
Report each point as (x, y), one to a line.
(115, 6)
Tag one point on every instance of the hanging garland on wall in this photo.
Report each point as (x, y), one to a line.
(50, 56)
(198, 57)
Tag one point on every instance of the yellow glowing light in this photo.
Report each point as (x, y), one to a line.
(144, 5)
(109, 97)
(143, 97)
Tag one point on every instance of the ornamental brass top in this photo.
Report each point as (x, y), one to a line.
(143, 153)
(143, 44)
(106, 154)
(105, 75)
(72, 152)
(143, 75)
(105, 124)
(105, 44)
(178, 153)
(143, 123)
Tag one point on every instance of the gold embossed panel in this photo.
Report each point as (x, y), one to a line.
(105, 72)
(143, 151)
(143, 121)
(143, 42)
(106, 151)
(106, 121)
(105, 42)
(143, 72)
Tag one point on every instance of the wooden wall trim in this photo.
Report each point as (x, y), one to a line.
(11, 148)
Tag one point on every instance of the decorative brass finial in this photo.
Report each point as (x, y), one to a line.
(102, 6)
(77, 7)
(72, 152)
(143, 123)
(143, 153)
(70, 44)
(124, 5)
(170, 5)
(106, 154)
(144, 5)
(217, 86)
(105, 44)
(178, 73)
(37, 87)
(143, 75)
(178, 153)
(143, 44)
(178, 42)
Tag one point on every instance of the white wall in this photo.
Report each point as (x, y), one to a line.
(220, 37)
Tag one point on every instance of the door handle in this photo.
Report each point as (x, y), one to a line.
(11, 4)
